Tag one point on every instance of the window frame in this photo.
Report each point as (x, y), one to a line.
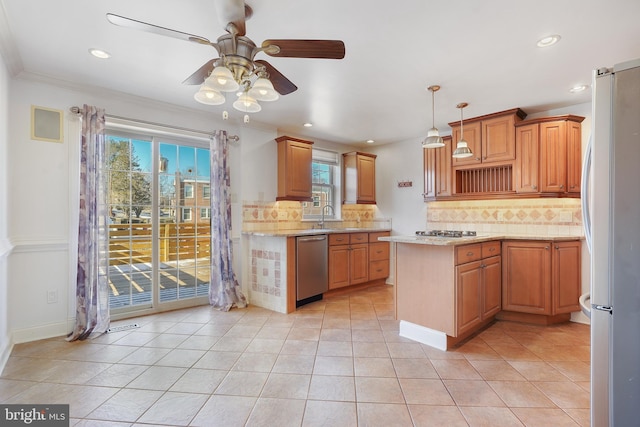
(330, 158)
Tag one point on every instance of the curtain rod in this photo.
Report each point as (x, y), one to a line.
(78, 110)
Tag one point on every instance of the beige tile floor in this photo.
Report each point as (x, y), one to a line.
(338, 362)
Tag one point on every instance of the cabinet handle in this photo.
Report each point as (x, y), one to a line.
(492, 249)
(535, 187)
(379, 270)
(469, 253)
(561, 185)
(546, 247)
(378, 252)
(573, 186)
(478, 158)
(483, 266)
(557, 247)
(484, 158)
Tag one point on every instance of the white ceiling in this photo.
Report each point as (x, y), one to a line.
(480, 52)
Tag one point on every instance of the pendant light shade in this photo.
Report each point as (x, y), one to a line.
(462, 148)
(222, 80)
(247, 104)
(433, 139)
(263, 90)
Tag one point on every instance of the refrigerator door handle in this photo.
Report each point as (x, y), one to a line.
(585, 193)
(602, 308)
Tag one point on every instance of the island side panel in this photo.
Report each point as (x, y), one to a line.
(425, 286)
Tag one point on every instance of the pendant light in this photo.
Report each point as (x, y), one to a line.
(462, 148)
(433, 139)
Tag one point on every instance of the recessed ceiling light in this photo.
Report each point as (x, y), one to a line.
(307, 125)
(99, 53)
(548, 40)
(578, 88)
(370, 141)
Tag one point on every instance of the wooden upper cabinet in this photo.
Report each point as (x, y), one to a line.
(437, 170)
(491, 138)
(294, 169)
(527, 159)
(549, 155)
(359, 178)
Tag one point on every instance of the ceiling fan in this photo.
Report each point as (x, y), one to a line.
(236, 54)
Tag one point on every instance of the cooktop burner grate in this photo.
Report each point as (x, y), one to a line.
(445, 233)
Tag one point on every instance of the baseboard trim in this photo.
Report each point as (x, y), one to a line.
(424, 335)
(42, 332)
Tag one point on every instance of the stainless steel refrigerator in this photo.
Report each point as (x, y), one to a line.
(612, 227)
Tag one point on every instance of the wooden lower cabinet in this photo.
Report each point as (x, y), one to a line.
(478, 285)
(356, 258)
(541, 277)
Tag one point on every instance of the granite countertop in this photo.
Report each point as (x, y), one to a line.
(311, 232)
(483, 237)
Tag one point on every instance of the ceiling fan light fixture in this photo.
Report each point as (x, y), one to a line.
(221, 79)
(208, 95)
(247, 104)
(262, 90)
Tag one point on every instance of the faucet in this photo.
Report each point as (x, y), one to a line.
(321, 223)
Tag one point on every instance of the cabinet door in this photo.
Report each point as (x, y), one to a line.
(294, 169)
(366, 169)
(574, 157)
(527, 161)
(338, 266)
(498, 139)
(443, 168)
(526, 280)
(429, 167)
(468, 296)
(492, 286)
(553, 157)
(566, 281)
(472, 134)
(359, 264)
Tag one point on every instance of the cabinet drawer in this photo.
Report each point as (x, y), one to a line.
(338, 239)
(379, 269)
(373, 237)
(468, 253)
(490, 249)
(378, 251)
(355, 238)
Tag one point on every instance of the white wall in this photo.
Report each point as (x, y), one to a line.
(42, 193)
(5, 246)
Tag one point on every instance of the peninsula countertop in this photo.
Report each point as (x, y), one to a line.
(480, 237)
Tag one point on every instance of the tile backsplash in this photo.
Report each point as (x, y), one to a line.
(285, 215)
(553, 217)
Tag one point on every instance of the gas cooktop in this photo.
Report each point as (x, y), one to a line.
(445, 233)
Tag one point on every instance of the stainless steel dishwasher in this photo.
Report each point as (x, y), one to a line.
(312, 265)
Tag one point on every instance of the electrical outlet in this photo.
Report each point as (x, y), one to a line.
(52, 296)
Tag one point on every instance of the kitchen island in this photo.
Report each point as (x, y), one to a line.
(447, 289)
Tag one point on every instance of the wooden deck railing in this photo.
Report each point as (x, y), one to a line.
(132, 243)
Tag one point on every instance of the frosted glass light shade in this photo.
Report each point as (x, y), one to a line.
(462, 150)
(247, 104)
(263, 90)
(433, 139)
(221, 79)
(208, 95)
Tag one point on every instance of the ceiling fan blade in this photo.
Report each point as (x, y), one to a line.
(281, 84)
(327, 49)
(201, 73)
(155, 29)
(233, 12)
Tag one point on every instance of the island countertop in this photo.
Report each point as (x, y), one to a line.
(481, 237)
(311, 232)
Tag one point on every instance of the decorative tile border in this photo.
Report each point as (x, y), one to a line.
(550, 216)
(266, 275)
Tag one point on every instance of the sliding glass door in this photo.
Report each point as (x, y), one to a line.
(159, 232)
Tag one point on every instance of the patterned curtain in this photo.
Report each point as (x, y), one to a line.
(224, 290)
(92, 291)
